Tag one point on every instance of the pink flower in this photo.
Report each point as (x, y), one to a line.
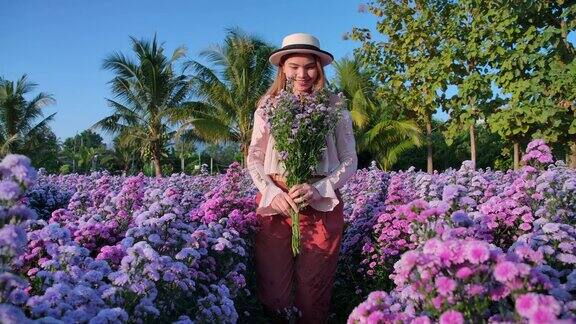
(525, 226)
(432, 246)
(475, 289)
(477, 252)
(526, 304)
(445, 285)
(525, 252)
(437, 302)
(425, 275)
(421, 320)
(464, 273)
(451, 317)
(542, 315)
(505, 271)
(376, 317)
(409, 258)
(550, 303)
(499, 293)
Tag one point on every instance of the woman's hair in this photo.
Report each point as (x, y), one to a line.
(280, 80)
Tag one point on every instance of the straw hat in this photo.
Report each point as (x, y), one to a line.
(300, 43)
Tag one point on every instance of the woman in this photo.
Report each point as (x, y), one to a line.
(310, 274)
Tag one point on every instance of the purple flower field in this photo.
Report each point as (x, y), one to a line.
(461, 246)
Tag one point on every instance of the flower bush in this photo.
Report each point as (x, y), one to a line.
(16, 175)
(449, 247)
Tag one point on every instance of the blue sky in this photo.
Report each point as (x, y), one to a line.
(61, 44)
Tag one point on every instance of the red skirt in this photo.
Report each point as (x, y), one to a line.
(304, 281)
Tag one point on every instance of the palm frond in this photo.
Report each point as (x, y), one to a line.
(43, 123)
(359, 109)
(109, 124)
(5, 148)
(211, 129)
(388, 157)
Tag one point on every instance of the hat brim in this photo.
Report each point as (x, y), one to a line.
(276, 56)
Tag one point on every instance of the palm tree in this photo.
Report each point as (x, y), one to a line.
(126, 154)
(378, 133)
(17, 116)
(185, 146)
(227, 93)
(148, 93)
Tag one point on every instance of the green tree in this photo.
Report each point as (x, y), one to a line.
(148, 94)
(221, 155)
(536, 69)
(228, 92)
(185, 147)
(43, 149)
(451, 156)
(380, 136)
(126, 154)
(412, 60)
(83, 150)
(21, 119)
(87, 138)
(469, 35)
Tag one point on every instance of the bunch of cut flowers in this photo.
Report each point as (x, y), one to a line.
(299, 124)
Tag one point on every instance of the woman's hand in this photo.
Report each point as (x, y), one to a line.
(282, 203)
(304, 193)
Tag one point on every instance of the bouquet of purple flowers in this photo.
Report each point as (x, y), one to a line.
(299, 124)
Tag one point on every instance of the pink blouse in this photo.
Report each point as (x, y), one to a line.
(338, 162)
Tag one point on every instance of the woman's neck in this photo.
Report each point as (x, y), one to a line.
(298, 93)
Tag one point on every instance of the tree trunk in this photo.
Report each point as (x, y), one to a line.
(572, 162)
(516, 156)
(182, 163)
(429, 164)
(156, 160)
(157, 167)
(473, 144)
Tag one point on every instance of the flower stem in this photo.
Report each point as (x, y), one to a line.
(295, 232)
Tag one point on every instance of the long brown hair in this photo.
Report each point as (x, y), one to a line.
(280, 80)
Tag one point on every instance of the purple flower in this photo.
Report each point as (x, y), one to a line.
(19, 168)
(567, 258)
(9, 190)
(12, 240)
(450, 192)
(283, 155)
(461, 218)
(110, 315)
(12, 314)
(550, 227)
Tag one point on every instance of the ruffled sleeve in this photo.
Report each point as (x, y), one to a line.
(255, 164)
(346, 147)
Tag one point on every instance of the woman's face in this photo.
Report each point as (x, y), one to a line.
(302, 68)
